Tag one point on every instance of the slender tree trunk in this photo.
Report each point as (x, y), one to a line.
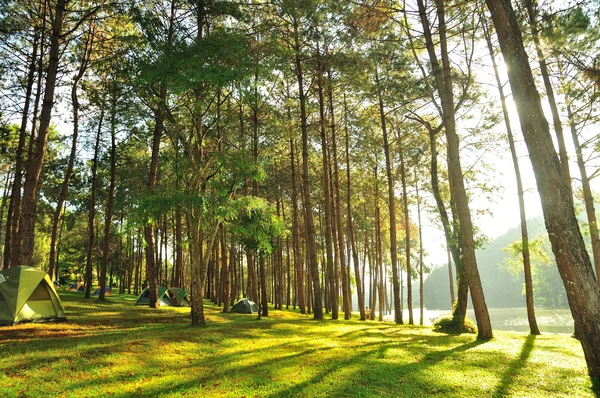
(451, 277)
(359, 282)
(533, 327)
(587, 194)
(567, 243)
(333, 293)
(443, 79)
(225, 267)
(92, 210)
(531, 6)
(421, 298)
(65, 185)
(159, 127)
(338, 204)
(296, 233)
(378, 255)
(392, 207)
(111, 199)
(407, 232)
(13, 215)
(36, 161)
(311, 246)
(7, 184)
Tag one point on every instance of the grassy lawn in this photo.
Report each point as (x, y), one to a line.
(119, 350)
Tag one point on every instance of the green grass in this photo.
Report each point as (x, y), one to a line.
(119, 350)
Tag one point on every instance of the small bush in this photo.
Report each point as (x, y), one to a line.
(446, 324)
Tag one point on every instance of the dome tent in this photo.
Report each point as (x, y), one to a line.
(77, 287)
(163, 297)
(27, 295)
(245, 306)
(107, 292)
(179, 297)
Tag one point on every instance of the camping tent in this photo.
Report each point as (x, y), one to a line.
(163, 296)
(27, 295)
(245, 306)
(77, 287)
(107, 292)
(179, 297)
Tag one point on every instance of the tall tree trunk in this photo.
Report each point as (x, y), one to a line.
(36, 162)
(407, 231)
(111, 199)
(392, 207)
(311, 246)
(531, 6)
(421, 301)
(450, 277)
(159, 127)
(443, 79)
(346, 294)
(7, 184)
(65, 185)
(567, 243)
(12, 218)
(533, 327)
(359, 282)
(92, 209)
(378, 255)
(333, 293)
(296, 233)
(225, 270)
(587, 194)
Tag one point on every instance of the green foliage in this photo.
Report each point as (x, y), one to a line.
(257, 225)
(446, 324)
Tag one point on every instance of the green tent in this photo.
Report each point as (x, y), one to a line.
(163, 296)
(27, 295)
(179, 297)
(245, 306)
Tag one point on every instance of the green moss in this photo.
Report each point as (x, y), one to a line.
(446, 324)
(119, 350)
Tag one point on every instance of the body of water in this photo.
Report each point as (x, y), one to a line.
(549, 320)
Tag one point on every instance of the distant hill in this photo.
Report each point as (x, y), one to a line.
(501, 288)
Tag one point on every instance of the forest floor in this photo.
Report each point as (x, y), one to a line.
(119, 350)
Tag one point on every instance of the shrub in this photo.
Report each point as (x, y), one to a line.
(446, 324)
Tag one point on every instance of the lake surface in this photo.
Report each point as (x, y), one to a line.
(550, 320)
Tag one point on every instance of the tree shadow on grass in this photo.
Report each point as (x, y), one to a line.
(515, 367)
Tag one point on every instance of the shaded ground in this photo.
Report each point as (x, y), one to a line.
(119, 350)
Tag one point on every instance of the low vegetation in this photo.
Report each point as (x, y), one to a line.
(447, 324)
(117, 349)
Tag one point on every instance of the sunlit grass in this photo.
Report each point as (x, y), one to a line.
(117, 349)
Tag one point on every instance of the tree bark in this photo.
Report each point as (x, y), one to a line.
(359, 281)
(111, 199)
(421, 301)
(65, 185)
(92, 210)
(443, 79)
(333, 293)
(12, 218)
(392, 207)
(311, 246)
(338, 204)
(26, 230)
(533, 327)
(407, 232)
(587, 194)
(531, 7)
(296, 233)
(567, 243)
